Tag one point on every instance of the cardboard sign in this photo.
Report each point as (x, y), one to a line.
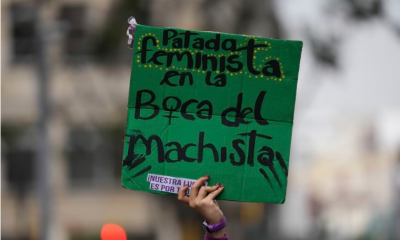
(210, 103)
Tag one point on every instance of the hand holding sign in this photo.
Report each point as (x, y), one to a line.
(202, 199)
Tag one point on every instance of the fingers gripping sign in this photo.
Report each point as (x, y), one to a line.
(194, 192)
(204, 191)
(202, 199)
(182, 194)
(194, 189)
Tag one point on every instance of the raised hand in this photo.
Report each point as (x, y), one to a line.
(202, 199)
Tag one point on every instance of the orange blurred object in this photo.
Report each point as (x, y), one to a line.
(112, 231)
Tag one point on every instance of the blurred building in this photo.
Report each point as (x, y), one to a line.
(88, 64)
(352, 194)
(86, 127)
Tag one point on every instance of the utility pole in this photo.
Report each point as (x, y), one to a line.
(43, 157)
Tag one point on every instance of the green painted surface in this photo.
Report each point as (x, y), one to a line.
(211, 103)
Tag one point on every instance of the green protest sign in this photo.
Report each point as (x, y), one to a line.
(210, 103)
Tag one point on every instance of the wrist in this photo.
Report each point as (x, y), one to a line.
(215, 228)
(215, 220)
(218, 234)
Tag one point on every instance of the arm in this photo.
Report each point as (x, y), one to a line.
(202, 200)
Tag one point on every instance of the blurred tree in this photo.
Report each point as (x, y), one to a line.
(325, 46)
(363, 10)
(250, 17)
(110, 44)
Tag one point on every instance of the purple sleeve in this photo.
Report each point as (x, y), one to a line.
(206, 237)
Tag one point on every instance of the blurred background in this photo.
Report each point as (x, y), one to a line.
(65, 79)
